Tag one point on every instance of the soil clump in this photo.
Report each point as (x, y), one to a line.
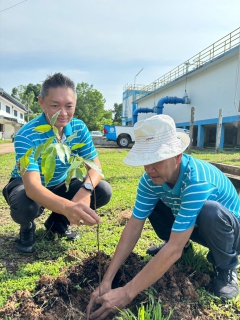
(66, 297)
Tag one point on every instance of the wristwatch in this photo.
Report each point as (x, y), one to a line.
(87, 186)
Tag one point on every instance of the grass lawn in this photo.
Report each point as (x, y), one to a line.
(53, 255)
(5, 141)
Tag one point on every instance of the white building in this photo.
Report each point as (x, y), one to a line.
(209, 81)
(11, 115)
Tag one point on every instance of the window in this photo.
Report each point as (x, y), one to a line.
(8, 109)
(21, 116)
(1, 127)
(15, 113)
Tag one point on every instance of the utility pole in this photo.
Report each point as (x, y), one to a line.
(219, 129)
(134, 89)
(191, 129)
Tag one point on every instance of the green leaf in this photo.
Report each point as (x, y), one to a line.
(38, 152)
(70, 138)
(43, 165)
(55, 130)
(77, 146)
(29, 152)
(23, 163)
(60, 152)
(67, 151)
(47, 151)
(79, 174)
(69, 178)
(75, 164)
(54, 118)
(48, 142)
(94, 166)
(71, 159)
(43, 128)
(50, 165)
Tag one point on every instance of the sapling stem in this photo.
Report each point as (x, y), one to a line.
(98, 240)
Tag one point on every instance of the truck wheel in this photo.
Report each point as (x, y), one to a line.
(123, 142)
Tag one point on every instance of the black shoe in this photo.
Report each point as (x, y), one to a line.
(26, 242)
(225, 283)
(155, 249)
(70, 235)
(62, 229)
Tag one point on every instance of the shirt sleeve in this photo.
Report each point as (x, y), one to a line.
(88, 151)
(193, 199)
(22, 144)
(145, 201)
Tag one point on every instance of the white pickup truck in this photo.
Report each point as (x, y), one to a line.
(124, 135)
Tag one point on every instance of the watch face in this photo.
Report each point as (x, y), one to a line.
(88, 186)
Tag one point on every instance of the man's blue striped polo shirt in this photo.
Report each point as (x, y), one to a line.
(198, 182)
(27, 138)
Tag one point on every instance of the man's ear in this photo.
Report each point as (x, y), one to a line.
(179, 158)
(40, 100)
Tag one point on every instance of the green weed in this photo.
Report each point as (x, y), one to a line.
(150, 311)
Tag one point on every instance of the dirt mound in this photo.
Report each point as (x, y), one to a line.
(67, 296)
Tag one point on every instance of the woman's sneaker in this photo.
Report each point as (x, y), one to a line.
(26, 241)
(225, 283)
(153, 250)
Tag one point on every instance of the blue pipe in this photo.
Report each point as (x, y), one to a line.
(159, 107)
(171, 100)
(140, 110)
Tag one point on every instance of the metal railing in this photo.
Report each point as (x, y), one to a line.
(213, 51)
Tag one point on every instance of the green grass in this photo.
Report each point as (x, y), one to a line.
(52, 255)
(5, 141)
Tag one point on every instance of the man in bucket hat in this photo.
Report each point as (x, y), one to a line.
(184, 198)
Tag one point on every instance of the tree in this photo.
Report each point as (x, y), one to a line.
(35, 88)
(117, 113)
(90, 107)
(28, 95)
(18, 93)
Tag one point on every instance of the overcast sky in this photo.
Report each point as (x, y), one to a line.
(106, 42)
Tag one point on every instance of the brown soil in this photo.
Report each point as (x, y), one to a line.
(67, 296)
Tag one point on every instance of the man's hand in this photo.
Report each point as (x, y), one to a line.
(99, 291)
(110, 302)
(80, 213)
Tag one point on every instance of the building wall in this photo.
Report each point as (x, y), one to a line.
(11, 118)
(209, 90)
(210, 87)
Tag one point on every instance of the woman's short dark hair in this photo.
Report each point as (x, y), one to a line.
(54, 81)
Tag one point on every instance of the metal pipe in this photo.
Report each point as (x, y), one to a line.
(171, 100)
(140, 110)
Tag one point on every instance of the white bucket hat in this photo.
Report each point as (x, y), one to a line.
(156, 139)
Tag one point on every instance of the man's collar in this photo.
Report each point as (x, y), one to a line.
(67, 130)
(177, 187)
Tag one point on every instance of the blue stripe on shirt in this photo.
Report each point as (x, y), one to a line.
(27, 138)
(198, 182)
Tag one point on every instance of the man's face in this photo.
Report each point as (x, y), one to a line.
(60, 98)
(165, 171)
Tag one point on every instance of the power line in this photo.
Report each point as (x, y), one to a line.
(13, 6)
